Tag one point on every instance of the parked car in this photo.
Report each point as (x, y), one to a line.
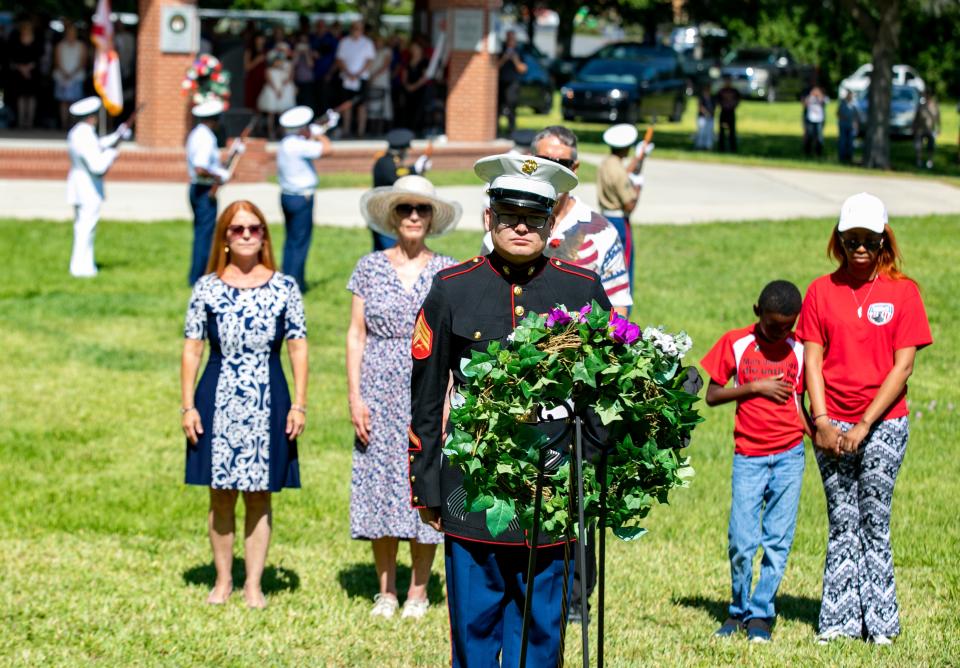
(536, 84)
(904, 102)
(859, 81)
(626, 90)
(701, 50)
(766, 73)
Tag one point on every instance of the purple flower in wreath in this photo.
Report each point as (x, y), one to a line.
(624, 331)
(584, 312)
(557, 316)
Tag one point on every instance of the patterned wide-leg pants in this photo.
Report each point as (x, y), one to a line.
(859, 593)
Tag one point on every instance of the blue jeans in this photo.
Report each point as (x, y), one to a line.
(204, 222)
(298, 216)
(763, 513)
(486, 585)
(845, 143)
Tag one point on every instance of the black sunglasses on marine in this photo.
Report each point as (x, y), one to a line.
(532, 221)
(870, 244)
(421, 209)
(563, 162)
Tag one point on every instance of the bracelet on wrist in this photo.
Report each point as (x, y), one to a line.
(299, 408)
(817, 417)
(186, 409)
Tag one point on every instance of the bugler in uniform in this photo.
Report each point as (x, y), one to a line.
(618, 188)
(469, 306)
(205, 171)
(302, 144)
(90, 158)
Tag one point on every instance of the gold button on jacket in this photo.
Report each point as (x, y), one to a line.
(518, 310)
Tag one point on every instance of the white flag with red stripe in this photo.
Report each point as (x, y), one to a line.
(106, 65)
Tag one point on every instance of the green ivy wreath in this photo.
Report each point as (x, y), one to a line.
(633, 381)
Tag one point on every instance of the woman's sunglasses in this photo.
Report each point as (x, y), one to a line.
(871, 245)
(237, 230)
(422, 210)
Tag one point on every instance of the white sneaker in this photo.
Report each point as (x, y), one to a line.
(881, 640)
(414, 608)
(828, 636)
(384, 605)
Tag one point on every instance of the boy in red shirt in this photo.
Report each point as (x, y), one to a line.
(765, 362)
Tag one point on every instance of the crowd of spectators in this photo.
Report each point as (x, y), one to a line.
(387, 78)
(45, 66)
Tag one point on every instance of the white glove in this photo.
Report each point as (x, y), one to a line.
(333, 119)
(636, 180)
(422, 165)
(317, 130)
(239, 147)
(644, 149)
(221, 174)
(124, 131)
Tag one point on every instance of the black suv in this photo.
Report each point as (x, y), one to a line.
(624, 82)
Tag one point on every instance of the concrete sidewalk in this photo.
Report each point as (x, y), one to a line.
(676, 192)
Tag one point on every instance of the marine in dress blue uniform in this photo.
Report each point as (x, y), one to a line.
(302, 144)
(205, 171)
(469, 306)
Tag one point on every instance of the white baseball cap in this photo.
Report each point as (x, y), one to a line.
(208, 109)
(295, 118)
(525, 180)
(863, 210)
(621, 135)
(86, 106)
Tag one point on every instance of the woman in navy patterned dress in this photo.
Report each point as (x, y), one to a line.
(388, 289)
(240, 424)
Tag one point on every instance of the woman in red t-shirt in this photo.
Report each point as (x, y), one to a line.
(861, 327)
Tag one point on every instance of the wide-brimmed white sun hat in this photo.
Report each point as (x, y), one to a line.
(377, 204)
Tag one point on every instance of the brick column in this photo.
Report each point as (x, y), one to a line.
(164, 122)
(472, 87)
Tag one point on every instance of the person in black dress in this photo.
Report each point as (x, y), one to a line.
(25, 50)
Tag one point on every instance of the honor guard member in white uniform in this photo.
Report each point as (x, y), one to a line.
(469, 306)
(302, 144)
(618, 187)
(205, 170)
(90, 158)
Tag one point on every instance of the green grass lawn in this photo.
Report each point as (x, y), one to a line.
(104, 552)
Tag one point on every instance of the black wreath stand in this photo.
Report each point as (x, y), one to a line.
(576, 481)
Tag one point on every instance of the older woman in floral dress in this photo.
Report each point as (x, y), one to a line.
(388, 289)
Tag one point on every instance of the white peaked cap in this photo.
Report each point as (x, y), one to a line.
(208, 109)
(621, 135)
(525, 180)
(863, 210)
(86, 106)
(297, 117)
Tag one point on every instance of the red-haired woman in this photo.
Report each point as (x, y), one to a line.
(240, 424)
(861, 327)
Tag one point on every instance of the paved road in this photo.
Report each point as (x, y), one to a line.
(676, 191)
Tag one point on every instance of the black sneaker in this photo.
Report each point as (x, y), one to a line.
(731, 627)
(758, 630)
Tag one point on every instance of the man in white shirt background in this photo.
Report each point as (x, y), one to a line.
(302, 144)
(355, 55)
(90, 158)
